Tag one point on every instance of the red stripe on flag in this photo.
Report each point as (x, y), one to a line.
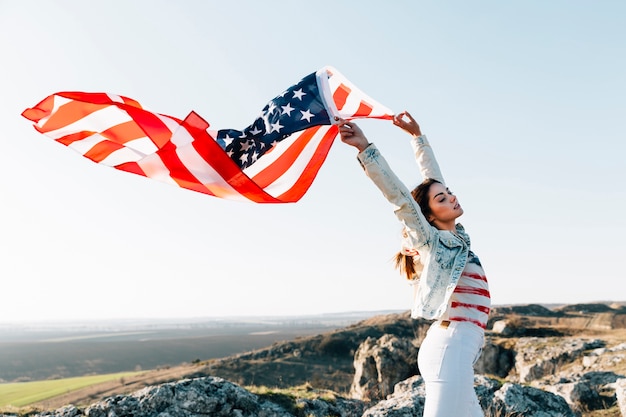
(69, 139)
(124, 132)
(132, 167)
(179, 172)
(340, 96)
(69, 113)
(214, 155)
(364, 109)
(97, 98)
(101, 150)
(300, 139)
(41, 110)
(131, 102)
(308, 175)
(152, 126)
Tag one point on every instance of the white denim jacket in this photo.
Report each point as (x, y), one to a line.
(443, 253)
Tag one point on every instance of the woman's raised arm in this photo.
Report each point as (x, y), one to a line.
(424, 155)
(409, 126)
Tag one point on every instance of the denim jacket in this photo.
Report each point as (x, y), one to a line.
(443, 253)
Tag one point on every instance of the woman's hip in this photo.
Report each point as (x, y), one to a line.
(456, 343)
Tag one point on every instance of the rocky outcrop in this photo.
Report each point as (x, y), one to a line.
(541, 357)
(379, 364)
(522, 400)
(209, 396)
(590, 391)
(573, 368)
(406, 400)
(215, 397)
(186, 398)
(566, 368)
(495, 399)
(496, 359)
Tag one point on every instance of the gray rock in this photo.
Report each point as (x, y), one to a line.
(208, 396)
(407, 400)
(381, 363)
(515, 399)
(211, 396)
(589, 391)
(495, 360)
(541, 357)
(409, 396)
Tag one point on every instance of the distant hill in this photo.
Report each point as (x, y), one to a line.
(53, 350)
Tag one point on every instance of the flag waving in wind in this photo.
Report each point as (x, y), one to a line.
(273, 160)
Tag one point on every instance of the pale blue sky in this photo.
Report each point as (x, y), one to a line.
(523, 102)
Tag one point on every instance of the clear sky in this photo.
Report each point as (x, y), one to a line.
(523, 102)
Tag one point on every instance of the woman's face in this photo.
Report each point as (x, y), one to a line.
(444, 206)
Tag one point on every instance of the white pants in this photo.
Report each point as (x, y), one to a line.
(446, 362)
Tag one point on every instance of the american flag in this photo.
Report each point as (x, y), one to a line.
(273, 160)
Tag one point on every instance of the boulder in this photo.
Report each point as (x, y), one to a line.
(381, 363)
(540, 357)
(495, 359)
(209, 396)
(509, 399)
(407, 400)
(522, 400)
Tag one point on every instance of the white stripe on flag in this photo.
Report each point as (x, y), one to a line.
(124, 155)
(290, 177)
(84, 145)
(154, 168)
(206, 174)
(143, 145)
(115, 98)
(57, 101)
(180, 135)
(98, 121)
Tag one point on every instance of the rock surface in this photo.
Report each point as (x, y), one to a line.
(210, 396)
(381, 363)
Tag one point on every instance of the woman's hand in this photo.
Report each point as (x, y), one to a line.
(410, 126)
(352, 135)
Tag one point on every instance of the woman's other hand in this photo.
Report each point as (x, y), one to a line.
(410, 126)
(352, 135)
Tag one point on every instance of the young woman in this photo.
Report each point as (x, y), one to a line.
(448, 279)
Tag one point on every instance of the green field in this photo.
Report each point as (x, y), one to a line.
(20, 394)
(39, 362)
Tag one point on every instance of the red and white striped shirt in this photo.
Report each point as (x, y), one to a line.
(470, 301)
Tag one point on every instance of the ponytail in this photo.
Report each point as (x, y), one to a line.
(410, 265)
(406, 265)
